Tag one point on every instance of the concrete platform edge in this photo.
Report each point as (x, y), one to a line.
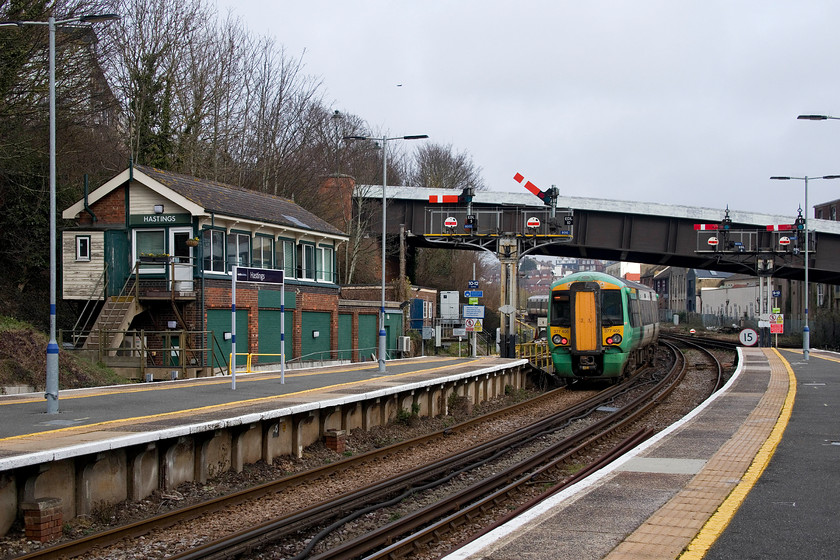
(500, 535)
(9, 463)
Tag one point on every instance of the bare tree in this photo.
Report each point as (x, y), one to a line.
(440, 167)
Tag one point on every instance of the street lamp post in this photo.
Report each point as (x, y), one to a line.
(384, 140)
(806, 332)
(51, 388)
(817, 117)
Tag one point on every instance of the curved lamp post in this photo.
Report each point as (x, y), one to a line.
(817, 117)
(51, 393)
(806, 332)
(384, 140)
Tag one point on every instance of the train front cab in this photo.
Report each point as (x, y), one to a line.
(590, 349)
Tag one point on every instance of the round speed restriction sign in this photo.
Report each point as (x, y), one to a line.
(748, 337)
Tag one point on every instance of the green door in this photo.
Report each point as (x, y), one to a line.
(172, 350)
(393, 329)
(368, 335)
(218, 321)
(345, 336)
(268, 339)
(315, 336)
(118, 257)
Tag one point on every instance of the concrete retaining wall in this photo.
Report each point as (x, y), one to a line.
(98, 479)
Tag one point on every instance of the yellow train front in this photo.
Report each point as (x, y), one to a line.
(601, 326)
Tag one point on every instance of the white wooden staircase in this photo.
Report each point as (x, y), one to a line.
(109, 329)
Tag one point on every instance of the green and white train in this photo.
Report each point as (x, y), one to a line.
(600, 326)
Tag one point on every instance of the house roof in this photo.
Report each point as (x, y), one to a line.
(219, 198)
(207, 197)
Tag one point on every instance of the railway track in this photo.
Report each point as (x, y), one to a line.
(132, 531)
(704, 341)
(428, 524)
(511, 487)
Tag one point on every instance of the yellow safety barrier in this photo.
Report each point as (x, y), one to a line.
(248, 361)
(535, 352)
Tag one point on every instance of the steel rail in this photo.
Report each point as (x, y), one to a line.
(385, 535)
(320, 513)
(703, 344)
(455, 508)
(114, 535)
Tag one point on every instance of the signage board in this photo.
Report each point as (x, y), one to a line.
(159, 220)
(533, 222)
(473, 312)
(450, 222)
(473, 325)
(777, 293)
(474, 293)
(473, 301)
(428, 333)
(777, 323)
(748, 337)
(459, 332)
(472, 284)
(260, 275)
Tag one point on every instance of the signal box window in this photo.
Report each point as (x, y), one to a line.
(239, 249)
(82, 247)
(262, 252)
(324, 263)
(307, 262)
(213, 250)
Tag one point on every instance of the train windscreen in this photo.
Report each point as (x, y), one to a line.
(561, 310)
(611, 312)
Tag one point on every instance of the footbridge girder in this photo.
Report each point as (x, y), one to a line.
(613, 230)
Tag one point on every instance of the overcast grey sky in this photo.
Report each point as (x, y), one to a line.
(681, 102)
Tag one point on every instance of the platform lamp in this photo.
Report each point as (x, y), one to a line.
(817, 118)
(51, 392)
(384, 140)
(806, 332)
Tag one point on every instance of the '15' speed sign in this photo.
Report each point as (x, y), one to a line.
(748, 337)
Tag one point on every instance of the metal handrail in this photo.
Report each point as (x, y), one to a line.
(99, 289)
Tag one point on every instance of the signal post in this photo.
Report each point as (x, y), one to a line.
(508, 233)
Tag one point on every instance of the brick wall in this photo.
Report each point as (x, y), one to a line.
(109, 210)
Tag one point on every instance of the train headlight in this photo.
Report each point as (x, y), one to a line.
(614, 339)
(559, 340)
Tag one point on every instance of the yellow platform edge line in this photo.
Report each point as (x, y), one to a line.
(257, 376)
(718, 522)
(86, 427)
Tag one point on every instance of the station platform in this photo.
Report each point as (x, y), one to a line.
(159, 410)
(111, 444)
(754, 472)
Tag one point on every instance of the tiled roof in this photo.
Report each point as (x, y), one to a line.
(228, 200)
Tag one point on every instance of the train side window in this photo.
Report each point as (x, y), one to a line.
(635, 313)
(561, 310)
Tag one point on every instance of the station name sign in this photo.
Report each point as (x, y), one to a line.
(260, 275)
(159, 220)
